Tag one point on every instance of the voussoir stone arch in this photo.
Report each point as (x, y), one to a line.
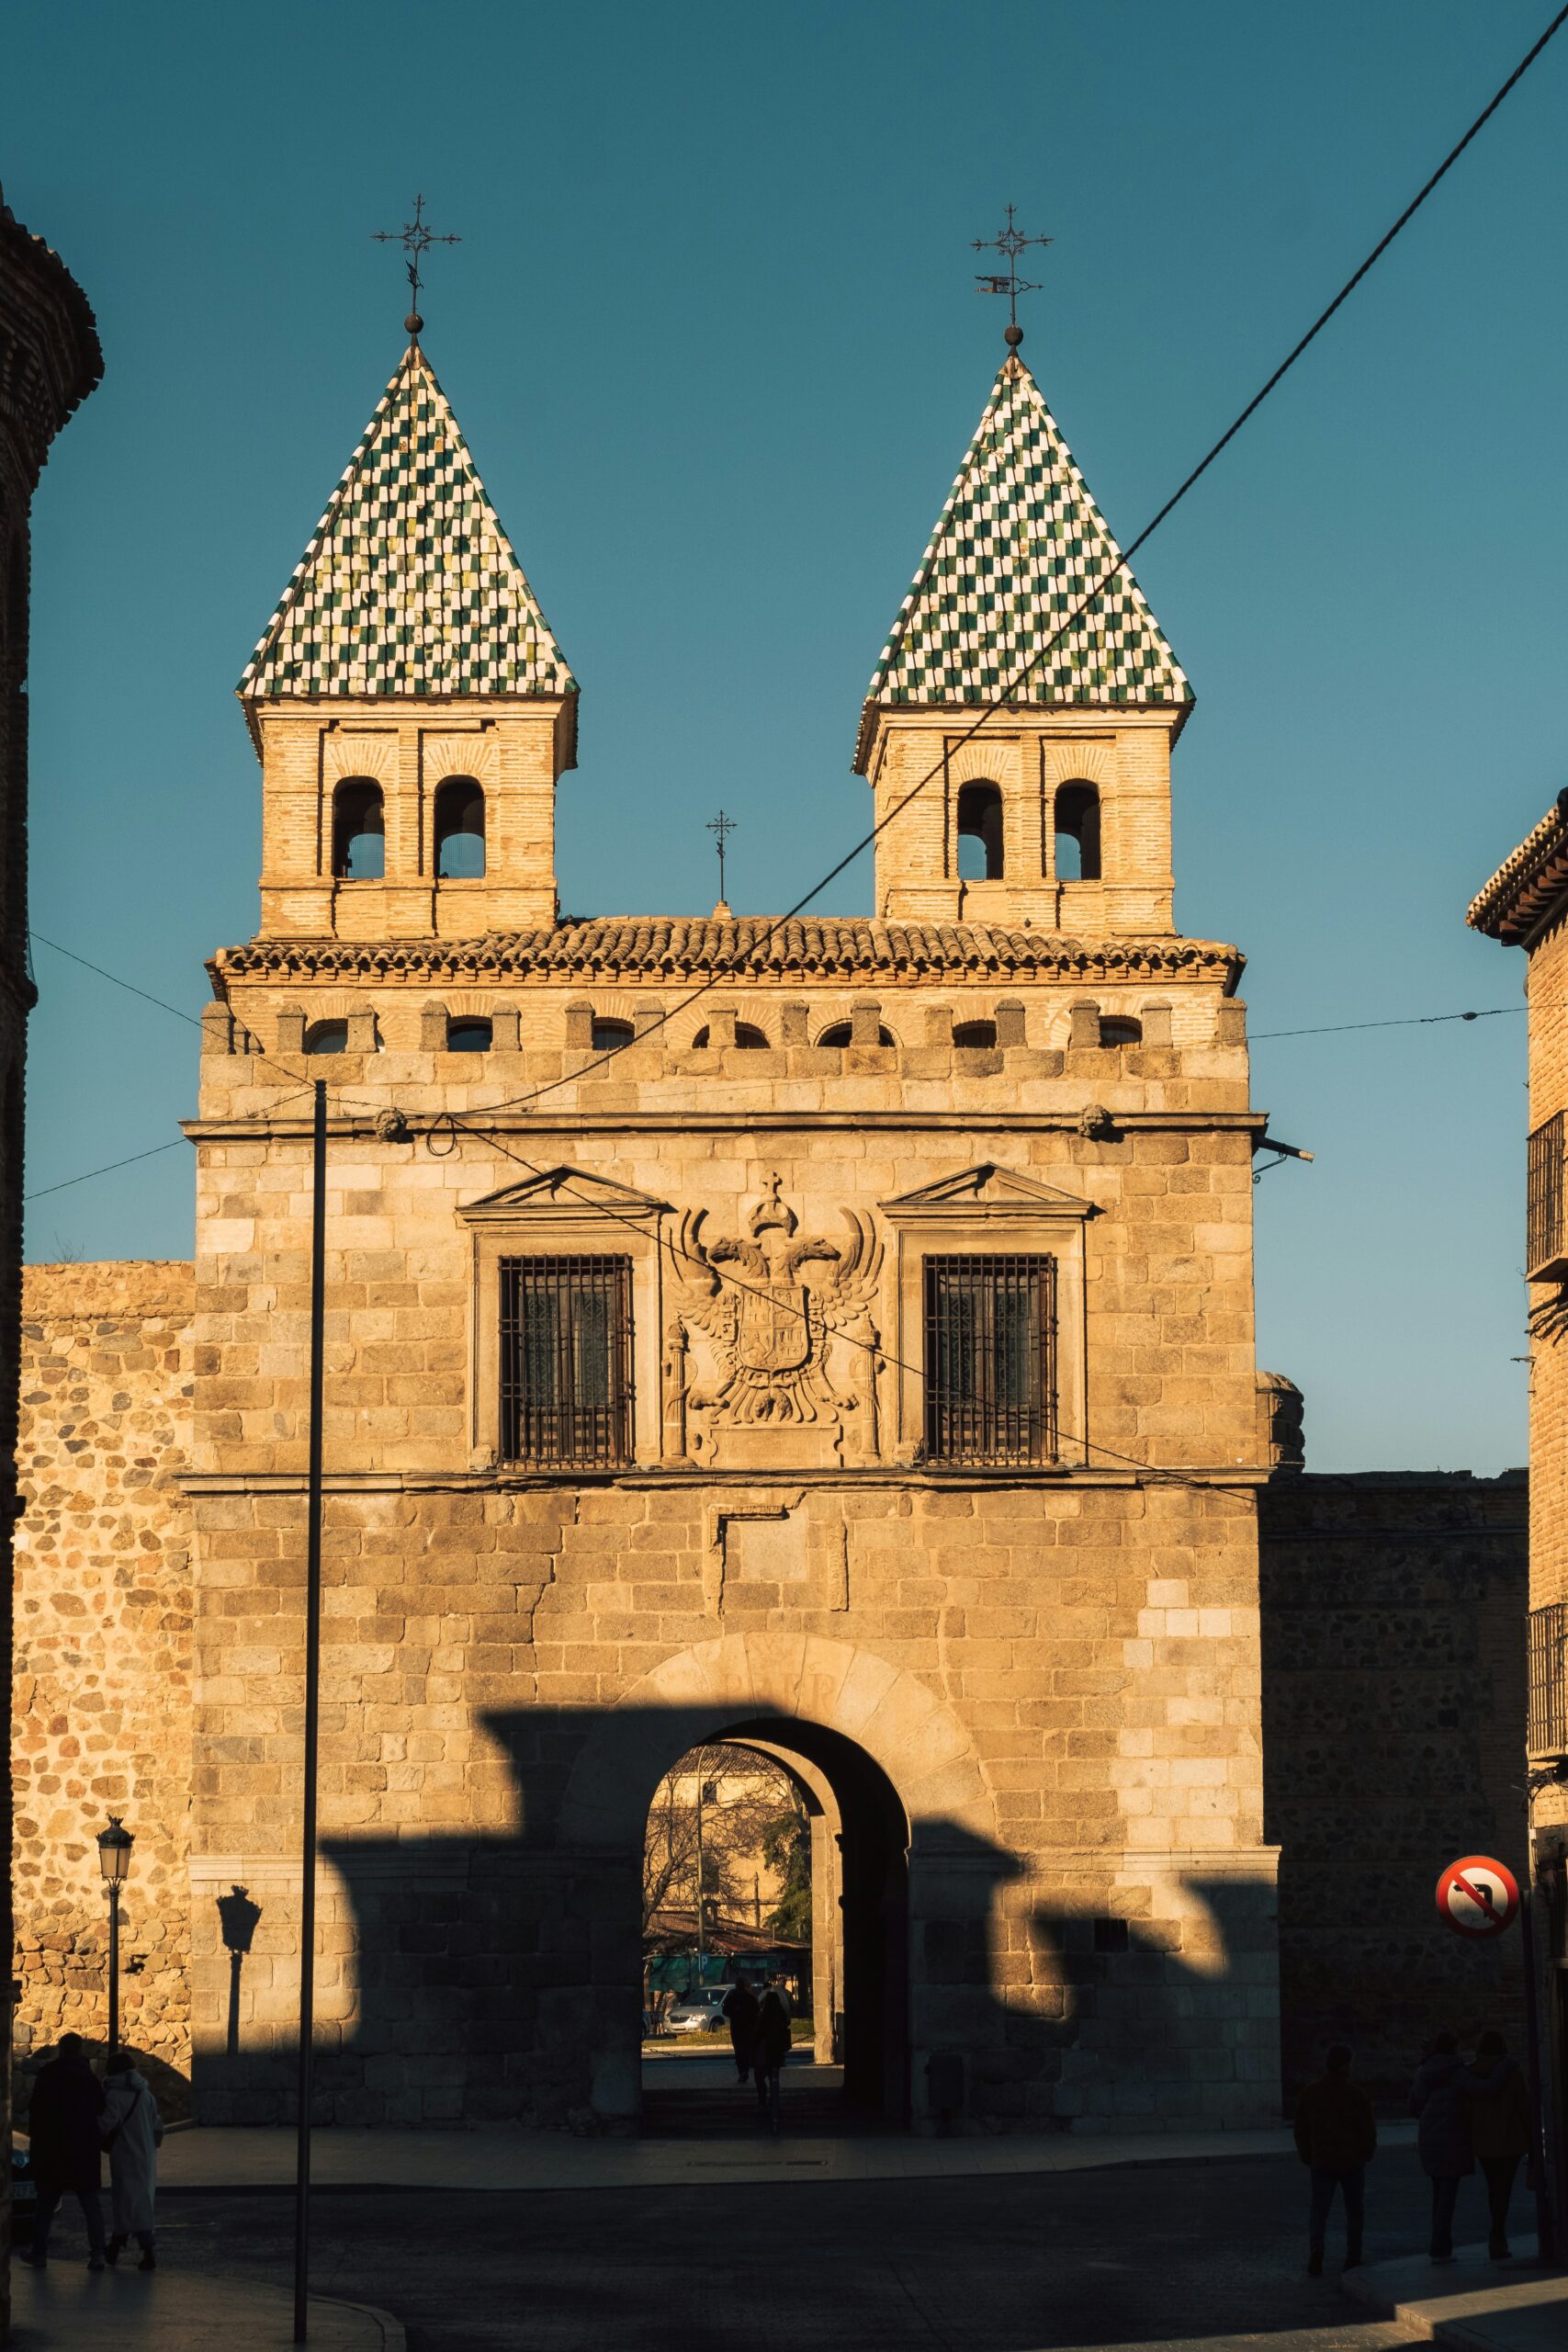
(897, 1719)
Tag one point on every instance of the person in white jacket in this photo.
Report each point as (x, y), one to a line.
(132, 2132)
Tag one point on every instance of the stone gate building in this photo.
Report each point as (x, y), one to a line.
(832, 1334)
(832, 1337)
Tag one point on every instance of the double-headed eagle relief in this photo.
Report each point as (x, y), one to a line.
(773, 1333)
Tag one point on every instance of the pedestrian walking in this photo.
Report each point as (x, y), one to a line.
(64, 2150)
(769, 2051)
(1442, 2137)
(740, 2009)
(133, 2133)
(1498, 2100)
(1336, 2137)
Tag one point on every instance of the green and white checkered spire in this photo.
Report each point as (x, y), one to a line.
(408, 585)
(1016, 548)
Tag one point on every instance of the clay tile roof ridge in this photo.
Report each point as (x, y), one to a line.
(669, 946)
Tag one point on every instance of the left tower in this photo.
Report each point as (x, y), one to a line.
(50, 361)
(411, 707)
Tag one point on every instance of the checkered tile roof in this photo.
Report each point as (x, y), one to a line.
(1016, 545)
(408, 585)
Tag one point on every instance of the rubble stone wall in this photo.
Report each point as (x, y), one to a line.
(103, 1688)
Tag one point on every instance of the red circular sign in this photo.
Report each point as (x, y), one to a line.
(1478, 1896)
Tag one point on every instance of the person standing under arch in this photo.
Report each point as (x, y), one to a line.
(741, 2011)
(770, 2049)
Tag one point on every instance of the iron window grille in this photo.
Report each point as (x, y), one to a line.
(1543, 1196)
(565, 1353)
(991, 1370)
(1548, 1719)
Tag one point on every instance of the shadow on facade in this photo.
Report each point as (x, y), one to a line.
(494, 1978)
(1392, 1722)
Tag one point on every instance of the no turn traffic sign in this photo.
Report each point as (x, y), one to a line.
(1478, 1896)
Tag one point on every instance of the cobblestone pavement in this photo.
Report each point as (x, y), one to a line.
(1147, 2254)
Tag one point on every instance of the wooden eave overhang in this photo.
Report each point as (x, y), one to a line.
(1527, 886)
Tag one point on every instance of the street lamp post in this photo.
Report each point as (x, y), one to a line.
(114, 1861)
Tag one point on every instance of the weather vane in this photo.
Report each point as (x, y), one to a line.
(1010, 243)
(416, 240)
(721, 827)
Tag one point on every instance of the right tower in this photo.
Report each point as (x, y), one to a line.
(1055, 815)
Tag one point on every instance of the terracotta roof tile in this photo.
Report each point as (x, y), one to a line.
(672, 948)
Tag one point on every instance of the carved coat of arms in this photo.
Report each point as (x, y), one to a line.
(762, 1341)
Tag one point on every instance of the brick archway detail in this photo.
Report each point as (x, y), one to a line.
(899, 1720)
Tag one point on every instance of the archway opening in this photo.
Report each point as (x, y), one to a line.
(775, 1852)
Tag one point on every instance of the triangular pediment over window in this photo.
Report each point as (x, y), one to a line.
(989, 1190)
(564, 1191)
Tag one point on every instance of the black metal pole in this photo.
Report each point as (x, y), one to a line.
(313, 1712)
(114, 1967)
(1542, 2152)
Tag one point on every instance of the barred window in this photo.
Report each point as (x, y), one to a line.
(565, 1334)
(1547, 1732)
(1544, 1203)
(990, 1379)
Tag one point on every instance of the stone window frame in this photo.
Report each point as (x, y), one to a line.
(982, 1210)
(543, 1218)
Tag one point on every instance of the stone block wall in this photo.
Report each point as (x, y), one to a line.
(1393, 1713)
(103, 1690)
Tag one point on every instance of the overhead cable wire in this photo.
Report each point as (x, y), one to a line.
(191, 1019)
(1406, 1021)
(87, 1175)
(1008, 691)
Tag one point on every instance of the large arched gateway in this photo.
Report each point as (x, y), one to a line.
(899, 1814)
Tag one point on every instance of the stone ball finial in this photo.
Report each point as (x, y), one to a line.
(1012, 335)
(413, 323)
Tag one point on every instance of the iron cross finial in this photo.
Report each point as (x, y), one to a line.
(721, 827)
(1010, 243)
(416, 238)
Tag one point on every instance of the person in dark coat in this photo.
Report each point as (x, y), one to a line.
(1498, 2100)
(63, 2146)
(1336, 2137)
(741, 2010)
(770, 2049)
(1442, 2137)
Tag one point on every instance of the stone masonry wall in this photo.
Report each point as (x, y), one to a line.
(1394, 1704)
(103, 1689)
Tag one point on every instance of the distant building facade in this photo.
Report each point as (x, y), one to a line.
(1525, 905)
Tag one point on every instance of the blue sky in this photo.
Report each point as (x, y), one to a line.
(713, 336)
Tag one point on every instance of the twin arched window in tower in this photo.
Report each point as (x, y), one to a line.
(359, 830)
(1074, 826)
(459, 831)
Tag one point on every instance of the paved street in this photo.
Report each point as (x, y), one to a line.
(1143, 2254)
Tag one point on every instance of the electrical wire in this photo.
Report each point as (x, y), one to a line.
(1008, 691)
(1407, 1020)
(192, 1021)
(64, 1186)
